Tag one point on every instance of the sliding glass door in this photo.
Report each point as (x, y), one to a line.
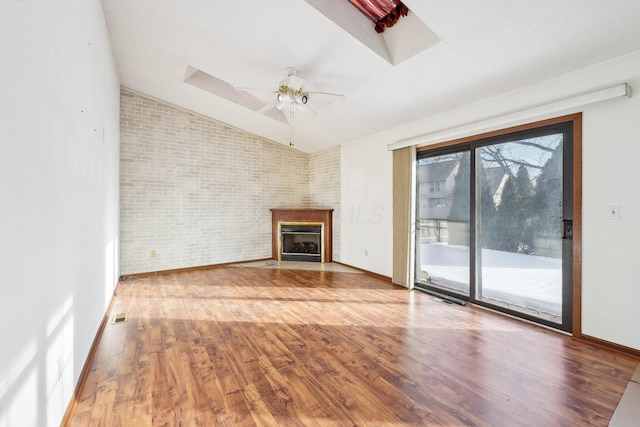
(494, 223)
(443, 222)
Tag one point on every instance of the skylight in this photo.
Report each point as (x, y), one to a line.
(383, 13)
(407, 38)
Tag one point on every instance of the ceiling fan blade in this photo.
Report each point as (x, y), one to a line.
(326, 97)
(300, 113)
(266, 94)
(288, 103)
(255, 89)
(306, 111)
(267, 107)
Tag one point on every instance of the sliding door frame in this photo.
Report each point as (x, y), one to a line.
(576, 120)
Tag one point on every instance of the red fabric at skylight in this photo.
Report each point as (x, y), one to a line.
(384, 13)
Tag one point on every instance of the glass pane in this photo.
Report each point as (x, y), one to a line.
(442, 221)
(519, 208)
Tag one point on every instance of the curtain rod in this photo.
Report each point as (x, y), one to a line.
(494, 123)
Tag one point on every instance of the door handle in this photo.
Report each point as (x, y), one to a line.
(567, 229)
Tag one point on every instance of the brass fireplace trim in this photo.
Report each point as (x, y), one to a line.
(303, 216)
(301, 223)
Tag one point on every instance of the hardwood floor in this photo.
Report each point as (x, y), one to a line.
(250, 346)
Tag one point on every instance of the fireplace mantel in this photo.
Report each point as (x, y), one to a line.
(324, 216)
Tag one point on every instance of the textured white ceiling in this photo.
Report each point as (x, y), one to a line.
(486, 47)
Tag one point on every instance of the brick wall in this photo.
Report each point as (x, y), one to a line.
(324, 188)
(198, 192)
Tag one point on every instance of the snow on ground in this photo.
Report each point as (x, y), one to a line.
(524, 280)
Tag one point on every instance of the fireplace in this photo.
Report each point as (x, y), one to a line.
(302, 235)
(301, 241)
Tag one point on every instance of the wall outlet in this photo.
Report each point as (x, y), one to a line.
(366, 252)
(153, 253)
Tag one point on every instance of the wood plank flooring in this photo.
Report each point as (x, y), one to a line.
(259, 347)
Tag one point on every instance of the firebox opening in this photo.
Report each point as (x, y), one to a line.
(301, 242)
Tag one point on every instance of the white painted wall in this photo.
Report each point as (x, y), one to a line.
(610, 271)
(611, 145)
(59, 136)
(366, 205)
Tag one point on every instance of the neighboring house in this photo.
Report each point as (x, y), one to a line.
(435, 186)
(497, 178)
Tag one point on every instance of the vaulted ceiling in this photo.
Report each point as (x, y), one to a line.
(468, 50)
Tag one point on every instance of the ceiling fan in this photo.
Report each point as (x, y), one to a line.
(290, 98)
